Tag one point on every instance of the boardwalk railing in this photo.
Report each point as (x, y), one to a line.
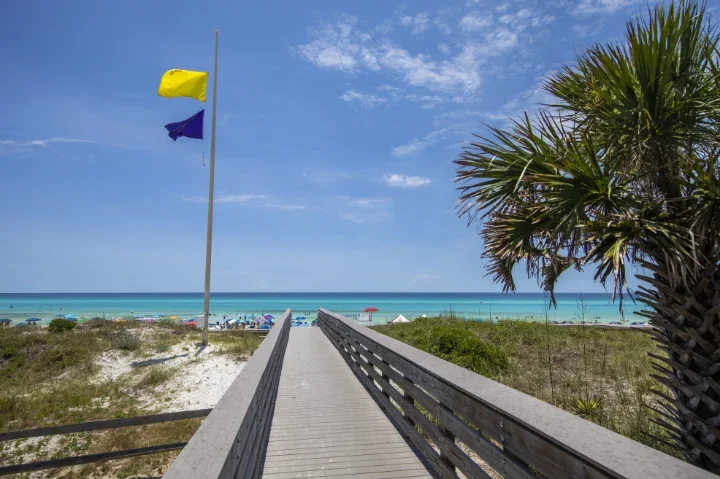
(232, 441)
(454, 416)
(97, 426)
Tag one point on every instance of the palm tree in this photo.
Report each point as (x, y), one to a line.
(623, 168)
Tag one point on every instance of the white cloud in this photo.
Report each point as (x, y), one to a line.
(281, 206)
(582, 30)
(350, 217)
(364, 210)
(455, 75)
(341, 47)
(417, 145)
(367, 101)
(592, 7)
(499, 41)
(502, 7)
(369, 203)
(320, 176)
(227, 198)
(419, 22)
(443, 26)
(460, 74)
(529, 100)
(43, 143)
(402, 181)
(474, 22)
(422, 277)
(238, 198)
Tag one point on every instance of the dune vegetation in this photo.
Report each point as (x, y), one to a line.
(64, 375)
(601, 374)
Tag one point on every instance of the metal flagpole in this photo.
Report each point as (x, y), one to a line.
(211, 192)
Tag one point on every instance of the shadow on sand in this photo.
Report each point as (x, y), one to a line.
(152, 362)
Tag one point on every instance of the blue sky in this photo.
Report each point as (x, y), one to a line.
(337, 126)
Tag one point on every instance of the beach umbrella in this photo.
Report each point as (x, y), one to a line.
(371, 310)
(70, 317)
(269, 316)
(5, 321)
(252, 316)
(32, 320)
(300, 317)
(173, 317)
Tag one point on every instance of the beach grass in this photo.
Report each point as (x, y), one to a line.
(53, 378)
(601, 374)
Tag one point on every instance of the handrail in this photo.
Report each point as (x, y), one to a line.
(514, 434)
(232, 441)
(105, 424)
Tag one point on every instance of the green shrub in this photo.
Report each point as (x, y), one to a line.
(453, 341)
(125, 341)
(58, 325)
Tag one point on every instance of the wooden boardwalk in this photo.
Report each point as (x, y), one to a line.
(326, 424)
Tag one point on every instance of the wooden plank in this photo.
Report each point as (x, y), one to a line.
(321, 459)
(300, 466)
(78, 460)
(106, 424)
(336, 421)
(350, 471)
(333, 450)
(427, 450)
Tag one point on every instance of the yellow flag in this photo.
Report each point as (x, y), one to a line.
(187, 83)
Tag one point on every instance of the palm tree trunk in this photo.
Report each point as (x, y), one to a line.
(686, 317)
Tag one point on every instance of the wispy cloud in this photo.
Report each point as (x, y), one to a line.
(389, 94)
(364, 210)
(402, 181)
(419, 23)
(252, 200)
(238, 198)
(43, 143)
(417, 145)
(454, 77)
(365, 100)
(422, 277)
(281, 206)
(475, 22)
(320, 176)
(341, 46)
(594, 7)
(227, 198)
(528, 100)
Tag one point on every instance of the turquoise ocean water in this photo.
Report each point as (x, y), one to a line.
(468, 305)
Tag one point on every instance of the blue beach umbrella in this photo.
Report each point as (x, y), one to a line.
(300, 317)
(32, 320)
(5, 321)
(70, 317)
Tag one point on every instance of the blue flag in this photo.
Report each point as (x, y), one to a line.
(191, 128)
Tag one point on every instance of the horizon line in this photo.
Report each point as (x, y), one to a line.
(300, 292)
